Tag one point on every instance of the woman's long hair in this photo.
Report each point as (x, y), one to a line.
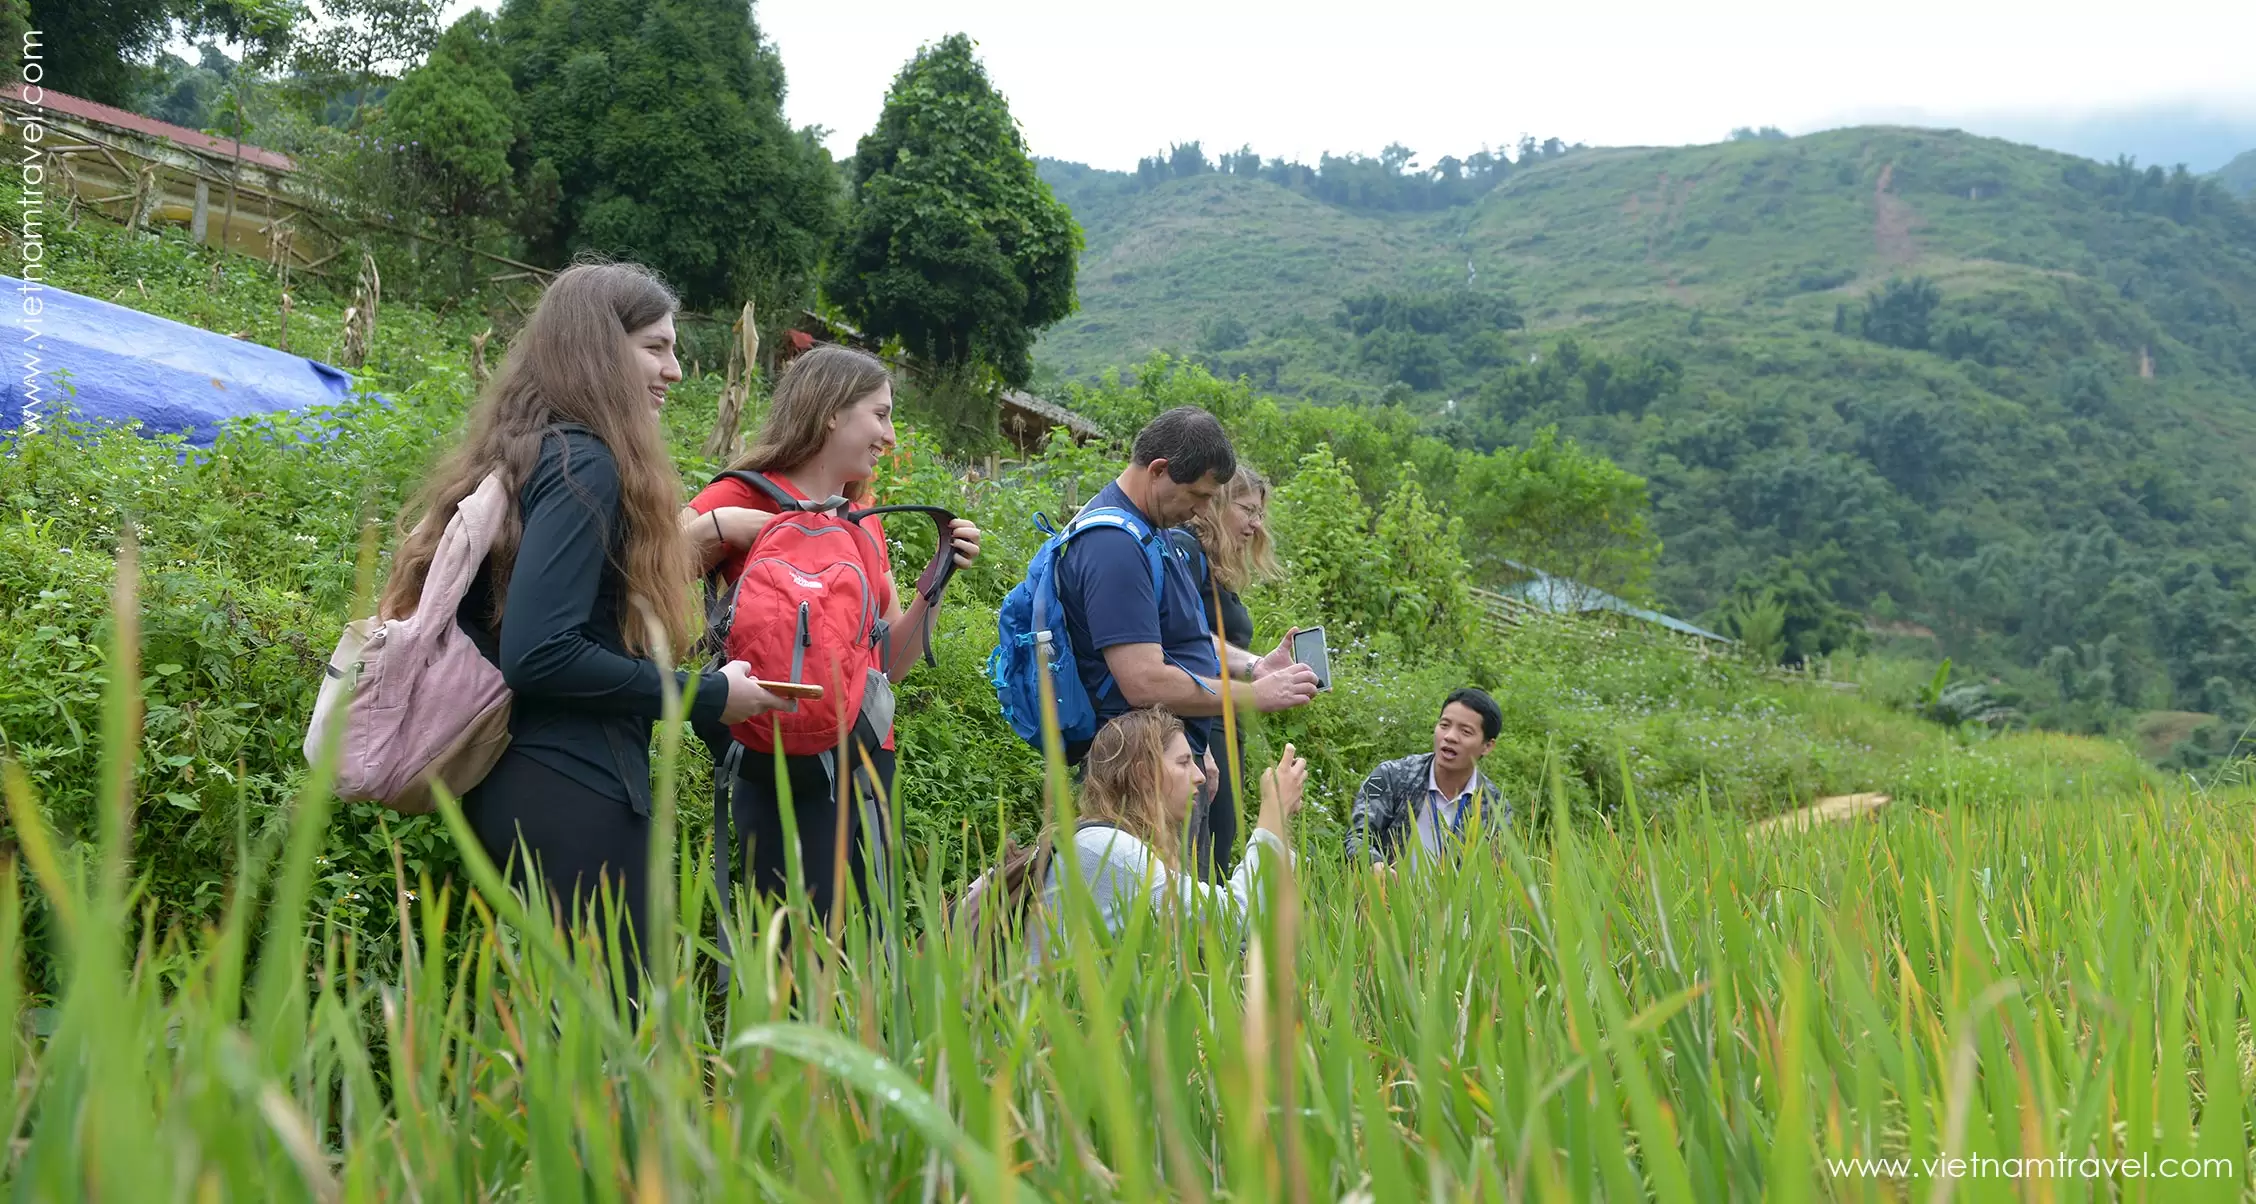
(1237, 562)
(573, 362)
(814, 388)
(1122, 784)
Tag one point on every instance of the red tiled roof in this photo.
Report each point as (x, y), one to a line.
(101, 114)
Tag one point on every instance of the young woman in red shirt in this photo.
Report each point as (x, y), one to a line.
(829, 423)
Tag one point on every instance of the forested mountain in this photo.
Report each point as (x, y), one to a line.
(2239, 176)
(1950, 382)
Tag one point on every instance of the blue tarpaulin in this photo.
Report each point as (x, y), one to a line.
(107, 363)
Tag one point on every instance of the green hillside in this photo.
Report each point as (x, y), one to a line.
(1158, 264)
(2033, 446)
(2239, 176)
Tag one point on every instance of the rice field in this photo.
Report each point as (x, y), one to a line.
(1673, 1009)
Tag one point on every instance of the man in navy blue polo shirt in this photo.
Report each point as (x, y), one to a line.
(1160, 650)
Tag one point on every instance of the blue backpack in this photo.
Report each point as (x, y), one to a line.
(1032, 636)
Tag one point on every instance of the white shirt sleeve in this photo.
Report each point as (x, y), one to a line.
(1120, 868)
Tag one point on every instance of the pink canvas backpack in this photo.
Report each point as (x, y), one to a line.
(418, 703)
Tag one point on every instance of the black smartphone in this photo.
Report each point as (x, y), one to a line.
(1308, 649)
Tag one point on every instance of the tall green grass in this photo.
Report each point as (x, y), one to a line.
(1670, 1008)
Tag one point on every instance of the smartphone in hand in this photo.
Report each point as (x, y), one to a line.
(1308, 649)
(790, 689)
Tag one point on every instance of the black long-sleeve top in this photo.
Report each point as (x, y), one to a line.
(1237, 621)
(582, 706)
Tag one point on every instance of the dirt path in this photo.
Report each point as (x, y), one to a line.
(1891, 223)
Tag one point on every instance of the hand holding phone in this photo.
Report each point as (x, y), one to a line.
(1308, 648)
(747, 695)
(790, 689)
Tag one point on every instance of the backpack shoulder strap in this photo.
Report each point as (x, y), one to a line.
(759, 483)
(1155, 553)
(937, 571)
(1108, 516)
(942, 566)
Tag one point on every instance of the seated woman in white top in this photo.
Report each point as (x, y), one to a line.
(1135, 802)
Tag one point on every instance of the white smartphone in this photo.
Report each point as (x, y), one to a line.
(1308, 649)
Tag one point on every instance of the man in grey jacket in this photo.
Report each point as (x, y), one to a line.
(1426, 803)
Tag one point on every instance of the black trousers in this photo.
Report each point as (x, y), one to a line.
(1214, 826)
(578, 837)
(756, 808)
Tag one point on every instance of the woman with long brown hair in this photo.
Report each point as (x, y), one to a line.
(1232, 537)
(586, 590)
(828, 424)
(1233, 533)
(1141, 782)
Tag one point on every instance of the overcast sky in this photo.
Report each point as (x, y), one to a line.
(1105, 83)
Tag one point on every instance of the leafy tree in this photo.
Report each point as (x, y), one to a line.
(2094, 682)
(1627, 385)
(89, 49)
(454, 122)
(1957, 704)
(1428, 604)
(1910, 446)
(1897, 313)
(1388, 181)
(1426, 340)
(954, 245)
(663, 126)
(1553, 506)
(1416, 360)
(185, 93)
(1222, 332)
(1323, 532)
(2084, 389)
(358, 43)
(1811, 623)
(95, 48)
(1455, 312)
(1181, 161)
(1977, 339)
(1569, 380)
(1758, 622)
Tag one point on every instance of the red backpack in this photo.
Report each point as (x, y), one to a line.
(808, 608)
(805, 608)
